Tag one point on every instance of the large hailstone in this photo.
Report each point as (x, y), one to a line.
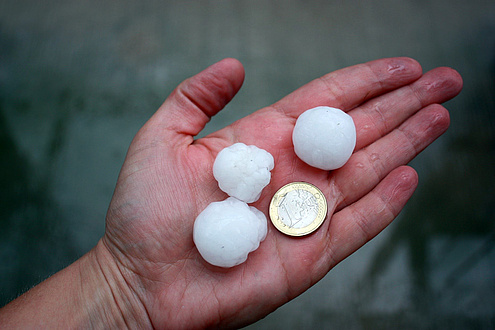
(243, 171)
(225, 232)
(324, 137)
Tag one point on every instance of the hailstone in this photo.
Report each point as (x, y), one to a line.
(225, 232)
(324, 137)
(243, 171)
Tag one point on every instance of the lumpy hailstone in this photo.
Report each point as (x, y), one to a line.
(225, 232)
(324, 137)
(243, 171)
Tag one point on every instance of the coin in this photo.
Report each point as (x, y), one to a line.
(298, 209)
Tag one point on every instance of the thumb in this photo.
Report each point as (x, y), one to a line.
(191, 105)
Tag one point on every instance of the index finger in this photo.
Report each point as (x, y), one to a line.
(349, 87)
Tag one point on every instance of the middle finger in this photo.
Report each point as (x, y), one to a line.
(381, 115)
(368, 166)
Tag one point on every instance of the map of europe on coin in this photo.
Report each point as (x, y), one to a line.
(298, 208)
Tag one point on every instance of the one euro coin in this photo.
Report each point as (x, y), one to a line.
(298, 209)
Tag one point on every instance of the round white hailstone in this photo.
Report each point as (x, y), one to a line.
(243, 171)
(225, 232)
(324, 137)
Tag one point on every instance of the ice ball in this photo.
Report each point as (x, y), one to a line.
(243, 171)
(225, 232)
(324, 137)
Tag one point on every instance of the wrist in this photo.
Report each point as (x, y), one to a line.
(108, 300)
(90, 293)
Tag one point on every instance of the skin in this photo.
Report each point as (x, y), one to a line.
(146, 271)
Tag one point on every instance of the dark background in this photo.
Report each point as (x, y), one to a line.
(79, 78)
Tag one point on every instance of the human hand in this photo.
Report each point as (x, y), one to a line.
(147, 253)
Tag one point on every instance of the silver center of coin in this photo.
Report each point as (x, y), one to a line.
(298, 208)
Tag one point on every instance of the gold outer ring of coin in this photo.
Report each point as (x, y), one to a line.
(321, 213)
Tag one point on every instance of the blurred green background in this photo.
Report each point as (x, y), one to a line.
(79, 78)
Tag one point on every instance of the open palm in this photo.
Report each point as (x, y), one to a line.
(167, 180)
